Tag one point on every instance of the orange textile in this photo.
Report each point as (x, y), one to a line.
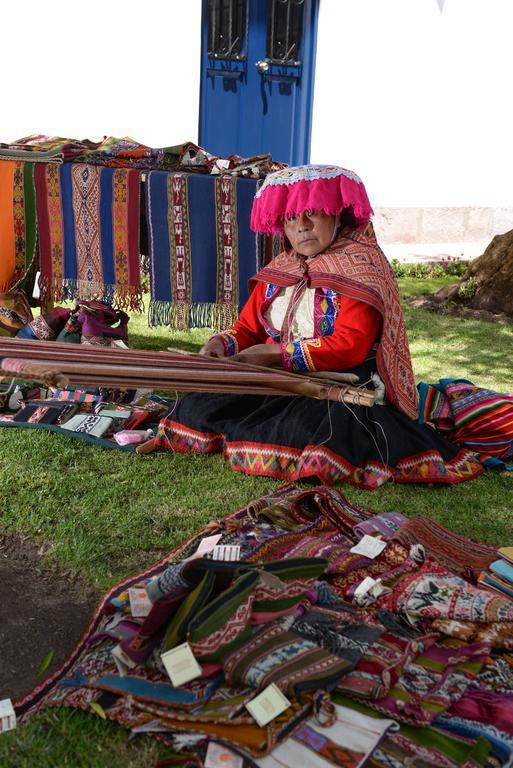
(7, 245)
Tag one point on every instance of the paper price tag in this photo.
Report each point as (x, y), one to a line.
(369, 546)
(205, 546)
(123, 661)
(228, 552)
(181, 664)
(221, 757)
(268, 705)
(140, 603)
(7, 716)
(36, 293)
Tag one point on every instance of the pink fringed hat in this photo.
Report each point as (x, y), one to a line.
(291, 191)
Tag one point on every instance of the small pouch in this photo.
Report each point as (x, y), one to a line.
(291, 662)
(94, 425)
(195, 600)
(90, 424)
(139, 417)
(256, 596)
(39, 412)
(225, 623)
(114, 413)
(75, 421)
(67, 411)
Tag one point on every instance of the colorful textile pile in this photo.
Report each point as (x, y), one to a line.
(499, 575)
(258, 603)
(472, 416)
(114, 152)
(88, 220)
(106, 417)
(128, 153)
(17, 221)
(37, 148)
(202, 253)
(15, 312)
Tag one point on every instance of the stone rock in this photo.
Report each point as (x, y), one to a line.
(489, 279)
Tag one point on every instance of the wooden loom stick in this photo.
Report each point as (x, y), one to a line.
(30, 371)
(182, 372)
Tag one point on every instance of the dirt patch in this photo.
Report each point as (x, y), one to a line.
(42, 610)
(429, 302)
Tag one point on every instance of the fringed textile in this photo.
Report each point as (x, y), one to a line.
(17, 221)
(202, 253)
(88, 221)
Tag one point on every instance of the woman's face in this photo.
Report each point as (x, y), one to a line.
(311, 233)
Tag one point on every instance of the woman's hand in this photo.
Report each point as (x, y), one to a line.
(213, 348)
(260, 354)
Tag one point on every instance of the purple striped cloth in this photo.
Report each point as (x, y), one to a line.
(385, 524)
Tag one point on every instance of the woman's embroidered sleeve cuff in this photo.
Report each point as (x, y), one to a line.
(229, 343)
(295, 356)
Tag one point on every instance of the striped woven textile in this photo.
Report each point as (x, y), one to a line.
(460, 554)
(478, 418)
(88, 219)
(202, 252)
(17, 221)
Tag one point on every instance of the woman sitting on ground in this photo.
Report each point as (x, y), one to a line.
(328, 302)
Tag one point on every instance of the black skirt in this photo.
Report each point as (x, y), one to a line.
(291, 438)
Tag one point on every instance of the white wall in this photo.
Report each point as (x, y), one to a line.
(88, 69)
(417, 101)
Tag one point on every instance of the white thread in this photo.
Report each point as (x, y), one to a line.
(330, 423)
(370, 433)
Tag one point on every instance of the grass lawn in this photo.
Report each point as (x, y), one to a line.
(107, 514)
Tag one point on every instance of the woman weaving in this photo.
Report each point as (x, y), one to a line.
(328, 302)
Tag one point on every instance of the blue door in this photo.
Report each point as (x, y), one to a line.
(257, 75)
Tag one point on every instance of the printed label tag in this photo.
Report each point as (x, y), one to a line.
(268, 705)
(36, 293)
(7, 716)
(229, 552)
(140, 603)
(205, 546)
(180, 664)
(365, 586)
(221, 757)
(369, 546)
(123, 662)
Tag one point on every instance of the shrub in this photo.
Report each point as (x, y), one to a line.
(468, 288)
(424, 271)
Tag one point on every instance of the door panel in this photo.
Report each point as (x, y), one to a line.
(258, 60)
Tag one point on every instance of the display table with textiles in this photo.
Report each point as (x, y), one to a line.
(379, 651)
(79, 213)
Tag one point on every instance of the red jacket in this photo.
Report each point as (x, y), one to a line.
(345, 331)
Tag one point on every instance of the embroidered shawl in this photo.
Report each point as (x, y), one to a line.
(355, 266)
